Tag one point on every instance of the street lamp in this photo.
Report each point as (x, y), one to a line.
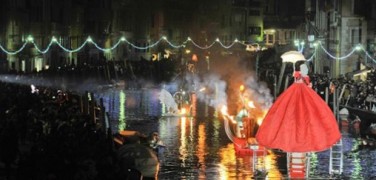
(299, 44)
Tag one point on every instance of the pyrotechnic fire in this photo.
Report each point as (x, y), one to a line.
(241, 88)
(183, 111)
(224, 112)
(253, 108)
(251, 104)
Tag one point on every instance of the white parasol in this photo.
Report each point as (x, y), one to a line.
(292, 56)
(166, 98)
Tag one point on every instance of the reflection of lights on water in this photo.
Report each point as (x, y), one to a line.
(183, 141)
(193, 104)
(356, 172)
(201, 149)
(233, 167)
(163, 129)
(217, 129)
(227, 159)
(183, 111)
(191, 128)
(271, 166)
(313, 162)
(122, 98)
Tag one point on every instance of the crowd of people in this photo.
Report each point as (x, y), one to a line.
(354, 93)
(44, 135)
(357, 93)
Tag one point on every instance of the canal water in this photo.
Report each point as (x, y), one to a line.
(198, 147)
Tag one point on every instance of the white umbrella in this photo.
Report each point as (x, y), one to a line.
(292, 56)
(166, 98)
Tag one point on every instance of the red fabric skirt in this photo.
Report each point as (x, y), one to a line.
(299, 121)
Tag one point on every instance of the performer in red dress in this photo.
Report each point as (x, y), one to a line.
(299, 120)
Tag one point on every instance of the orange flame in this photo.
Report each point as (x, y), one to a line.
(241, 88)
(224, 110)
(251, 104)
(226, 115)
(183, 111)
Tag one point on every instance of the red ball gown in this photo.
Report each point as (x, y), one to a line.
(299, 121)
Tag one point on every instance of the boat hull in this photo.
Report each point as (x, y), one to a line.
(242, 147)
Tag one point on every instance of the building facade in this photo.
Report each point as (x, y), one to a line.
(338, 25)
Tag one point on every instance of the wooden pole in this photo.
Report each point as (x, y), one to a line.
(286, 82)
(280, 77)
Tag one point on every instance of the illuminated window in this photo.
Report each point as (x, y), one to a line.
(270, 38)
(254, 30)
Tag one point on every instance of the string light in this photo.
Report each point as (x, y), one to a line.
(227, 47)
(14, 52)
(300, 46)
(334, 57)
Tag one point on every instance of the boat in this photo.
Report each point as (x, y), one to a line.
(244, 140)
(177, 105)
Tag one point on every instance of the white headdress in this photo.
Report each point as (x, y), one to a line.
(304, 70)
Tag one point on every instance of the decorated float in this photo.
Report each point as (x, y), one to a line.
(178, 104)
(242, 128)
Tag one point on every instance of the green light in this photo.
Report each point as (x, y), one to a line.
(89, 39)
(30, 38)
(54, 39)
(122, 39)
(358, 47)
(296, 42)
(122, 98)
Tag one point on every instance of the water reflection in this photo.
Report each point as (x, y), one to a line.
(198, 148)
(121, 124)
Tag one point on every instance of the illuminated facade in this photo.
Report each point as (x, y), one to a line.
(242, 21)
(142, 23)
(340, 26)
(69, 21)
(282, 21)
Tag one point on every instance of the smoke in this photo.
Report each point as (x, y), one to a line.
(258, 92)
(209, 89)
(223, 81)
(77, 85)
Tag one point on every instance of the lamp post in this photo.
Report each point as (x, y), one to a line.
(316, 61)
(299, 44)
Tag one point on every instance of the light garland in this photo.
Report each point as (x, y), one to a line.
(89, 40)
(353, 50)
